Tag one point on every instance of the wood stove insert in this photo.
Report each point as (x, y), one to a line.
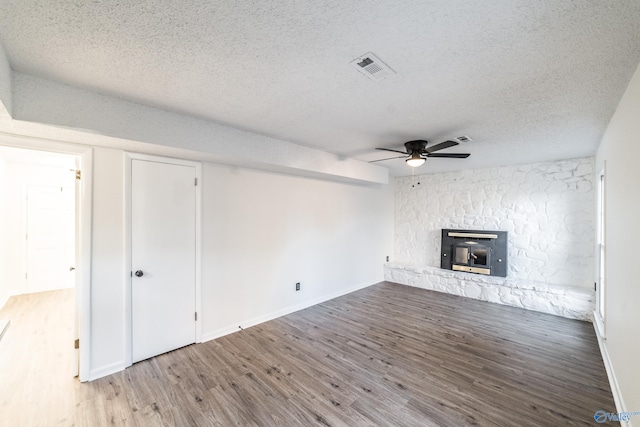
(474, 251)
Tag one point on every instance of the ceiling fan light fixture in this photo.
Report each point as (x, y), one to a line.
(415, 160)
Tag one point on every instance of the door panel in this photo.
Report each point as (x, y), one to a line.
(50, 237)
(163, 240)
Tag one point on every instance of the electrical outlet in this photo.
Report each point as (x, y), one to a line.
(298, 286)
(387, 258)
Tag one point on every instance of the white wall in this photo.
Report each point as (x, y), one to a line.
(547, 208)
(4, 284)
(620, 149)
(15, 216)
(107, 262)
(6, 95)
(262, 232)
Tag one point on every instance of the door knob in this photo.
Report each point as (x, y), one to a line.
(139, 273)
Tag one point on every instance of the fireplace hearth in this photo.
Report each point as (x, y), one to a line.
(474, 251)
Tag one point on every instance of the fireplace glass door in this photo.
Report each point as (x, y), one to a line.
(462, 254)
(480, 256)
(473, 257)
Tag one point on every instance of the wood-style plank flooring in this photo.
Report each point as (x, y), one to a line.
(385, 355)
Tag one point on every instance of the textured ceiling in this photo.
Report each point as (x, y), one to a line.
(529, 81)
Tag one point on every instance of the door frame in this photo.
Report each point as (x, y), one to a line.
(600, 311)
(83, 241)
(129, 158)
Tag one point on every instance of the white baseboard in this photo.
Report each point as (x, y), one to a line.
(613, 382)
(94, 374)
(208, 336)
(4, 325)
(599, 323)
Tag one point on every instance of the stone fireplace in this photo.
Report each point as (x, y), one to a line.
(546, 208)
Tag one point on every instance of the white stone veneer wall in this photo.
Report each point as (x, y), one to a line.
(548, 210)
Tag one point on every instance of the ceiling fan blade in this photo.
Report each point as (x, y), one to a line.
(388, 158)
(393, 151)
(441, 146)
(449, 155)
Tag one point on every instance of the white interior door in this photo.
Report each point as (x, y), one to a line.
(163, 257)
(50, 237)
(68, 243)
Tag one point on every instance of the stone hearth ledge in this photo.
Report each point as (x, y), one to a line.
(567, 301)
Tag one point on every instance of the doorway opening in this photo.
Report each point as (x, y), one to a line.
(38, 211)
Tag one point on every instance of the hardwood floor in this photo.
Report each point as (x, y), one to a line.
(385, 355)
(36, 372)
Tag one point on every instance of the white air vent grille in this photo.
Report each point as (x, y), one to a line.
(372, 67)
(464, 138)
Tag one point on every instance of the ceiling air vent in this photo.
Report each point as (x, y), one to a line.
(464, 138)
(372, 67)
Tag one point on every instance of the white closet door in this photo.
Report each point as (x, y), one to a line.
(163, 240)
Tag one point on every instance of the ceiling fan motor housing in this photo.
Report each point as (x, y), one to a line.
(418, 145)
